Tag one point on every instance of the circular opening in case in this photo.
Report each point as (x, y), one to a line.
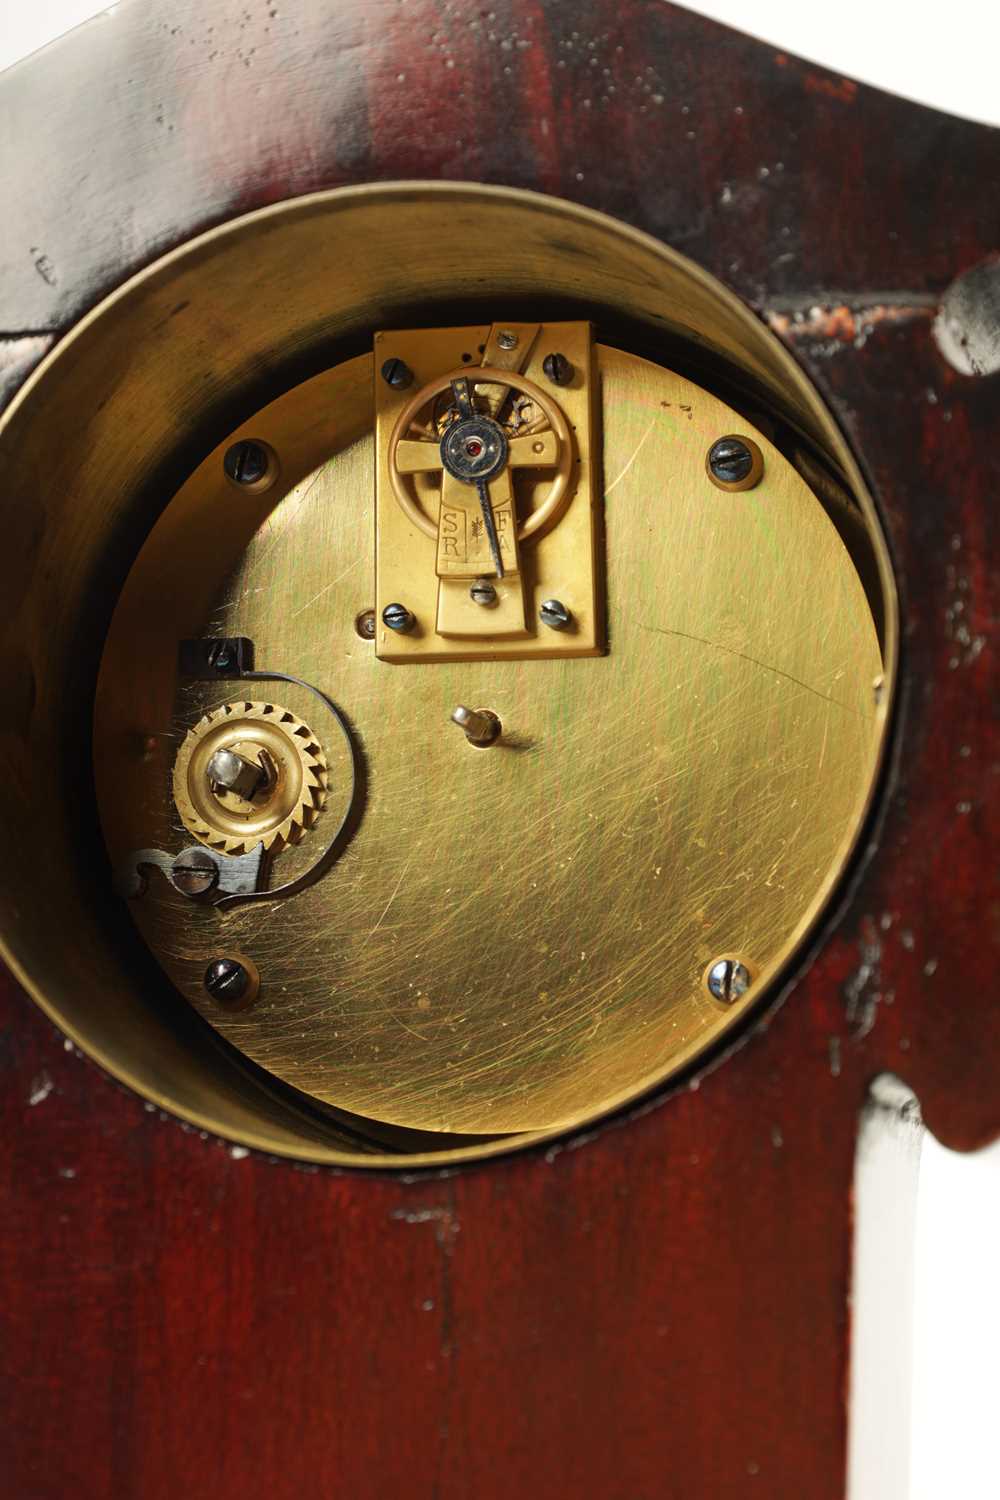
(501, 946)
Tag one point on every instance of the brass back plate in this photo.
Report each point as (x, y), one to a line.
(516, 938)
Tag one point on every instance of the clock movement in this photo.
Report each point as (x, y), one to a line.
(497, 744)
(484, 722)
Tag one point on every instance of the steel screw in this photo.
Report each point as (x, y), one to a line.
(226, 980)
(365, 624)
(507, 339)
(483, 592)
(554, 614)
(221, 657)
(558, 369)
(397, 373)
(194, 872)
(730, 460)
(246, 462)
(728, 979)
(398, 618)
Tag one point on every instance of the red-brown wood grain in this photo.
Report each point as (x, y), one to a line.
(658, 1310)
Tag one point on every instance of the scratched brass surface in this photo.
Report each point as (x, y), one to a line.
(515, 938)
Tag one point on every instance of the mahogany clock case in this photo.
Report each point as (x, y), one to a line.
(691, 1258)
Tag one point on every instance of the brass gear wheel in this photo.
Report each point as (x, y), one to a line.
(295, 785)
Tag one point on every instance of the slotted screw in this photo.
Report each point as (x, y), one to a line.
(226, 980)
(194, 872)
(554, 614)
(221, 657)
(397, 373)
(557, 368)
(398, 618)
(246, 462)
(728, 979)
(730, 460)
(483, 592)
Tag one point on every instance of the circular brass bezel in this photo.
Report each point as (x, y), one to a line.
(175, 338)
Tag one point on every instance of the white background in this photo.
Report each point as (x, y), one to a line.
(945, 56)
